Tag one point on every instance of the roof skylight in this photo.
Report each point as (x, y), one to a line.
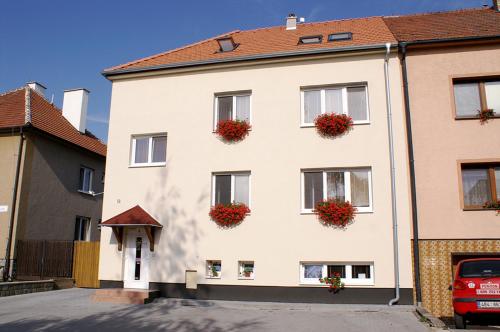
(226, 44)
(311, 39)
(340, 36)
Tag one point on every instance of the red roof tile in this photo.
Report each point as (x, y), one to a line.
(266, 41)
(476, 22)
(135, 216)
(44, 116)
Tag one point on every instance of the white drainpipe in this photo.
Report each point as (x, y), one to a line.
(393, 175)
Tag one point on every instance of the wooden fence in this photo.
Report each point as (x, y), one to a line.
(41, 259)
(86, 264)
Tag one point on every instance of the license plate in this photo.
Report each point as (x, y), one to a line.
(488, 304)
(488, 291)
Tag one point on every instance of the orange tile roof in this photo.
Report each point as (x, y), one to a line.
(476, 22)
(268, 41)
(44, 116)
(132, 217)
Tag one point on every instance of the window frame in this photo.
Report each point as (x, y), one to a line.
(332, 35)
(347, 189)
(241, 268)
(91, 180)
(480, 81)
(235, 94)
(348, 280)
(208, 268)
(233, 174)
(78, 221)
(345, 110)
(302, 38)
(487, 165)
(149, 163)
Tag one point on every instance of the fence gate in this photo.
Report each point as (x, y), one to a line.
(39, 259)
(86, 264)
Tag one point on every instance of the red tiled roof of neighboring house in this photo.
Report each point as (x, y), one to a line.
(41, 114)
(476, 22)
(135, 216)
(273, 40)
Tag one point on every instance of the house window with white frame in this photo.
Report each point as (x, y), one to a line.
(149, 150)
(230, 188)
(246, 270)
(353, 185)
(232, 107)
(86, 178)
(82, 229)
(214, 269)
(350, 100)
(353, 273)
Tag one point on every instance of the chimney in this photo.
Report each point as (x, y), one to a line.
(37, 87)
(291, 22)
(74, 109)
(496, 5)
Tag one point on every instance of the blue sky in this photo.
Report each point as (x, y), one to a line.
(66, 44)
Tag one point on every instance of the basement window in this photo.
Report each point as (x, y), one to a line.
(340, 36)
(311, 39)
(226, 44)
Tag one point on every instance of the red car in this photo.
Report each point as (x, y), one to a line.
(476, 289)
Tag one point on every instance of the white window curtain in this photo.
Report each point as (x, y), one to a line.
(241, 189)
(141, 150)
(222, 189)
(356, 103)
(476, 187)
(335, 185)
(467, 100)
(313, 271)
(225, 108)
(312, 105)
(360, 196)
(333, 101)
(159, 149)
(243, 108)
(493, 95)
(313, 189)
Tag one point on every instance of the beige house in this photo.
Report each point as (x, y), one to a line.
(51, 168)
(166, 167)
(452, 65)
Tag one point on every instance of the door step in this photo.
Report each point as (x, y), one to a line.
(126, 296)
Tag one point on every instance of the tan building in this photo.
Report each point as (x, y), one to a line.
(51, 170)
(165, 160)
(453, 70)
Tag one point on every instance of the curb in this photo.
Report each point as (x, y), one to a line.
(429, 318)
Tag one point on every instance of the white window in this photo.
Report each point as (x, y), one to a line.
(356, 273)
(214, 269)
(230, 188)
(149, 150)
(232, 107)
(82, 229)
(350, 100)
(246, 270)
(86, 178)
(353, 185)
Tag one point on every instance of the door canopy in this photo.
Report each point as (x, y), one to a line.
(134, 217)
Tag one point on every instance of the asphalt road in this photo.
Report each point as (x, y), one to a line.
(72, 310)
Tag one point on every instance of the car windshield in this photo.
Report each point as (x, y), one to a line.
(480, 269)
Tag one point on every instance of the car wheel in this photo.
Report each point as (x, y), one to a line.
(459, 321)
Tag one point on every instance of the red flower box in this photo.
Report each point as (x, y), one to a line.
(232, 130)
(230, 214)
(485, 115)
(333, 212)
(332, 125)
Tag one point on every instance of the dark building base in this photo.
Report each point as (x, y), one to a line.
(275, 293)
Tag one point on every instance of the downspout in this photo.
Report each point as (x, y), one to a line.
(7, 270)
(414, 214)
(393, 175)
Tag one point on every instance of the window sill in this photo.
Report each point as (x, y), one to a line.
(480, 209)
(147, 165)
(304, 284)
(86, 192)
(473, 117)
(245, 278)
(357, 212)
(304, 125)
(209, 277)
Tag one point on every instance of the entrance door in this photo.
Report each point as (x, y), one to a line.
(136, 274)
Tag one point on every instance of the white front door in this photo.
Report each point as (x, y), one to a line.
(136, 274)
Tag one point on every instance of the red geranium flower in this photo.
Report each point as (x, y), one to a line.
(332, 125)
(230, 214)
(334, 212)
(233, 130)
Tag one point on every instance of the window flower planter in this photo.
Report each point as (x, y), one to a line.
(333, 212)
(232, 130)
(334, 283)
(332, 125)
(485, 115)
(493, 205)
(229, 215)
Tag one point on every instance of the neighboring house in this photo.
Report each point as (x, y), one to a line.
(166, 167)
(453, 69)
(52, 169)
